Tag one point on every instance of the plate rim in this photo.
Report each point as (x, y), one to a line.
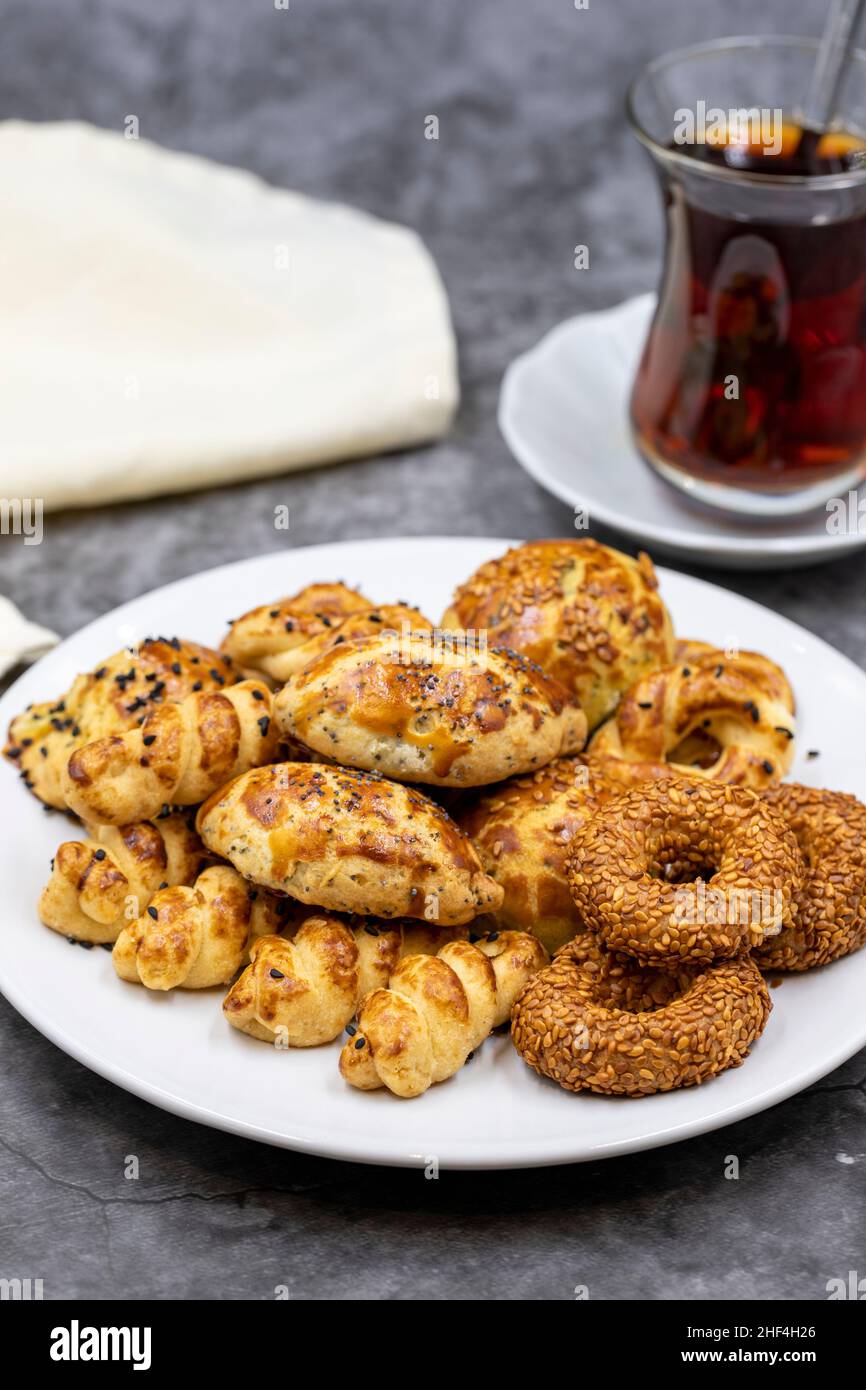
(531, 458)
(349, 1147)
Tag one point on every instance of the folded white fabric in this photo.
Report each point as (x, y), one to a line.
(167, 323)
(20, 641)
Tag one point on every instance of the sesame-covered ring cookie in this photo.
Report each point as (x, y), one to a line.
(594, 1021)
(830, 908)
(677, 871)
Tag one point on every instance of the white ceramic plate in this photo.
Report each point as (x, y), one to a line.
(563, 410)
(176, 1050)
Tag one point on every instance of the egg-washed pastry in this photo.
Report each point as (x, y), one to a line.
(589, 615)
(729, 718)
(279, 638)
(522, 830)
(195, 936)
(348, 841)
(302, 988)
(112, 698)
(98, 884)
(180, 755)
(430, 709)
(436, 1011)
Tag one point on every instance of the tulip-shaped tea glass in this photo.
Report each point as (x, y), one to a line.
(751, 391)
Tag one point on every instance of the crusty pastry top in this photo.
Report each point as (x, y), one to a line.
(522, 830)
(430, 709)
(180, 754)
(710, 714)
(112, 698)
(591, 616)
(348, 841)
(279, 638)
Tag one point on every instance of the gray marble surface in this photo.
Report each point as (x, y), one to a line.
(533, 157)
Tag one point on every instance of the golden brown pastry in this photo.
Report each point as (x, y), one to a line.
(436, 1011)
(280, 638)
(349, 842)
(729, 718)
(522, 831)
(675, 871)
(302, 990)
(589, 615)
(829, 918)
(180, 755)
(113, 697)
(98, 884)
(197, 936)
(430, 710)
(597, 1021)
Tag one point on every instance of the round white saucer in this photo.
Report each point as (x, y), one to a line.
(563, 410)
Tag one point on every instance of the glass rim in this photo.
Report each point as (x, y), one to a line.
(852, 178)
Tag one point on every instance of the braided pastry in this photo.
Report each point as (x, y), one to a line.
(430, 709)
(110, 699)
(709, 715)
(522, 830)
(436, 1011)
(593, 1021)
(589, 615)
(348, 842)
(302, 990)
(830, 907)
(195, 937)
(280, 638)
(96, 883)
(180, 755)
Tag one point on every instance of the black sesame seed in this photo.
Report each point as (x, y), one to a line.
(359, 1044)
(264, 724)
(644, 704)
(148, 740)
(276, 974)
(258, 695)
(371, 930)
(152, 912)
(768, 767)
(813, 753)
(99, 854)
(351, 1029)
(196, 685)
(176, 667)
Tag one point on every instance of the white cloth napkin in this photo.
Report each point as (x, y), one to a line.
(167, 323)
(20, 641)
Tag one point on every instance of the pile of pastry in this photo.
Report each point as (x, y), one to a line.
(370, 826)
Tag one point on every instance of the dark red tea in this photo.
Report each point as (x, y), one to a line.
(754, 373)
